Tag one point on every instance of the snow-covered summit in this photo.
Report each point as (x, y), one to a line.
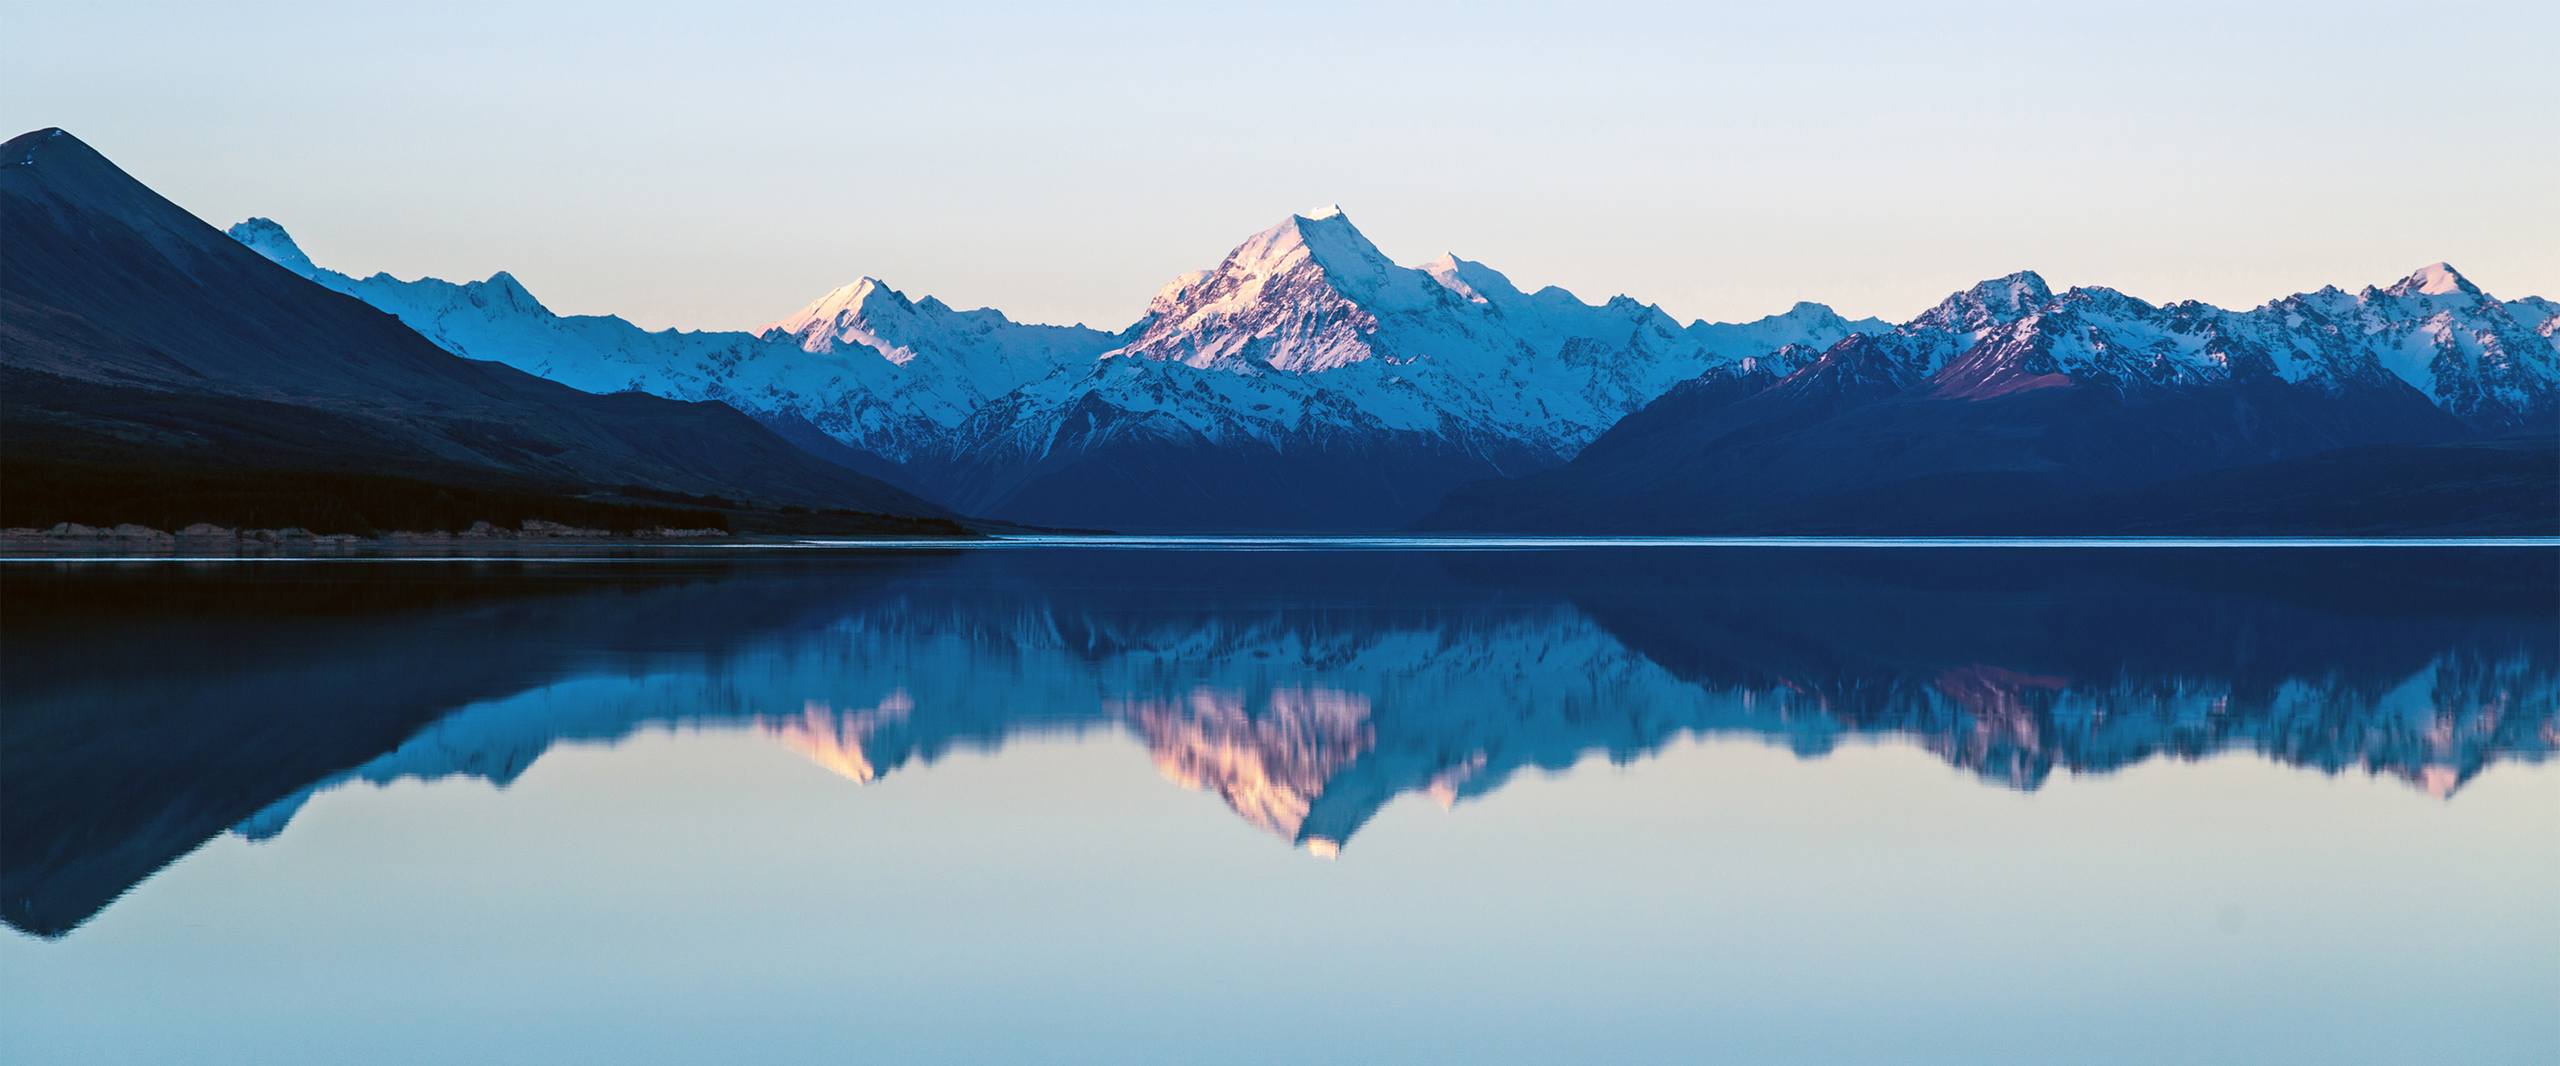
(1452, 349)
(2434, 279)
(2433, 331)
(266, 238)
(1301, 296)
(843, 304)
(1994, 302)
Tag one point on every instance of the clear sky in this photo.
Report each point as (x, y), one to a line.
(716, 165)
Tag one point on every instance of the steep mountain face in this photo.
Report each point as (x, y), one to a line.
(955, 361)
(2011, 408)
(139, 340)
(1451, 349)
(1307, 382)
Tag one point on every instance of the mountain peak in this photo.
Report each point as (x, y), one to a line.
(1469, 279)
(2003, 299)
(265, 237)
(1300, 296)
(70, 171)
(2022, 291)
(1326, 239)
(2433, 279)
(503, 290)
(866, 297)
(1322, 213)
(1808, 313)
(865, 293)
(26, 148)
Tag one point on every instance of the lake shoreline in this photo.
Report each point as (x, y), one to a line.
(551, 541)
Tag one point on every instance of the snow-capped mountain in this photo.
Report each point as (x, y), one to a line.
(1308, 381)
(1453, 348)
(2433, 331)
(2467, 353)
(1994, 410)
(954, 361)
(143, 347)
(888, 376)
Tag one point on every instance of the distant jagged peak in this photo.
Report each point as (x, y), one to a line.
(860, 310)
(503, 290)
(1471, 280)
(1993, 302)
(2018, 292)
(1805, 313)
(855, 312)
(1477, 283)
(865, 291)
(2434, 279)
(267, 237)
(1300, 296)
(863, 296)
(1325, 237)
(2105, 300)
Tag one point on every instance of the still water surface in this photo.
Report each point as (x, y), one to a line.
(1164, 804)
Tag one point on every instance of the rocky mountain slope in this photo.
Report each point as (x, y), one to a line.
(157, 371)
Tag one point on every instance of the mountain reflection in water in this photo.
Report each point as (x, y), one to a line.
(151, 708)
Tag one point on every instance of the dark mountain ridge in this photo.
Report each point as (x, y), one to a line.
(142, 349)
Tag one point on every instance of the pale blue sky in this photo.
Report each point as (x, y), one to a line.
(717, 165)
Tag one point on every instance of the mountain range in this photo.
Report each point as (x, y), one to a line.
(1308, 382)
(2424, 406)
(153, 370)
(1305, 382)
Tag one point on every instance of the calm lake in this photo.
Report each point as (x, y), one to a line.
(1249, 802)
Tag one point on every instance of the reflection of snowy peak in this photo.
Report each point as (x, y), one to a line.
(1306, 727)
